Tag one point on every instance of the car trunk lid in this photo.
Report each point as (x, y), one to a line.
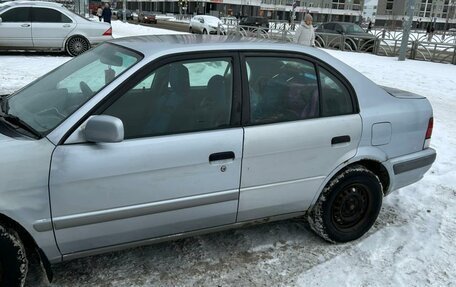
(401, 94)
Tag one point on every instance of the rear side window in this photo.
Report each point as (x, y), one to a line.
(45, 15)
(281, 89)
(335, 97)
(20, 14)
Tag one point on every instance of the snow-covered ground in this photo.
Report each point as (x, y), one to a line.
(412, 243)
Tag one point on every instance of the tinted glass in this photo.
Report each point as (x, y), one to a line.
(21, 14)
(335, 97)
(180, 97)
(45, 15)
(281, 90)
(354, 29)
(330, 26)
(48, 101)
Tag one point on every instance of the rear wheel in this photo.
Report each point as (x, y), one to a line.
(77, 45)
(13, 259)
(205, 31)
(348, 206)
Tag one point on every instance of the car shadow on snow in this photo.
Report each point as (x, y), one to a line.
(267, 254)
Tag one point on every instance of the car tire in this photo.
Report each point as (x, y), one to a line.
(348, 206)
(77, 45)
(13, 259)
(190, 30)
(204, 31)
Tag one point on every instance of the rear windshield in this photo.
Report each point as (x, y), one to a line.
(3, 7)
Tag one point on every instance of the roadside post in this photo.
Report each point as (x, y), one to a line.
(124, 11)
(408, 23)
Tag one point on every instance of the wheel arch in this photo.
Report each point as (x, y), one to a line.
(28, 241)
(371, 158)
(72, 36)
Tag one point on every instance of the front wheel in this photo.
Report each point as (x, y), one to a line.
(205, 31)
(348, 206)
(77, 45)
(13, 259)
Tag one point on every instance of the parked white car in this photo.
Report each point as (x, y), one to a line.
(205, 24)
(36, 25)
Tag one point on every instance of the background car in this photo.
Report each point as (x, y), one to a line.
(356, 37)
(254, 21)
(205, 24)
(36, 25)
(147, 17)
(119, 14)
(226, 131)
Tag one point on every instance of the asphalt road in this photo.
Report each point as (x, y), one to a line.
(163, 24)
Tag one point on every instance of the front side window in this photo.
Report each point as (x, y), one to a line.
(281, 89)
(48, 101)
(184, 96)
(46, 15)
(20, 14)
(335, 97)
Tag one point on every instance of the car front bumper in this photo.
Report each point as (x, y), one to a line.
(408, 169)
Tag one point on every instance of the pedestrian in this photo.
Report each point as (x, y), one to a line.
(429, 32)
(99, 13)
(106, 14)
(305, 34)
(369, 27)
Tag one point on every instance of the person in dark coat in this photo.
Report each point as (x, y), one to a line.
(106, 14)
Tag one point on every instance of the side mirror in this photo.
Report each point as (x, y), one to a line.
(104, 129)
(202, 21)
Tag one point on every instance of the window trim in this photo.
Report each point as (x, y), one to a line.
(32, 13)
(18, 7)
(291, 55)
(147, 69)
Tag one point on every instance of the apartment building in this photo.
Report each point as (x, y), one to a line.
(321, 10)
(438, 13)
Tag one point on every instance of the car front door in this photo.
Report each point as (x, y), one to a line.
(16, 28)
(50, 27)
(177, 170)
(301, 122)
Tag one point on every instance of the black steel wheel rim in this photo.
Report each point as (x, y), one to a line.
(350, 207)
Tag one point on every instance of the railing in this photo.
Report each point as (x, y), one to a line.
(381, 43)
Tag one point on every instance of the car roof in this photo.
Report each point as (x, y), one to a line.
(161, 45)
(32, 3)
(341, 23)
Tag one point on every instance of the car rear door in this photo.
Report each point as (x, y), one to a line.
(50, 27)
(16, 28)
(300, 121)
(177, 170)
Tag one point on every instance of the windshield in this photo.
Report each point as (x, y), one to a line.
(350, 29)
(48, 101)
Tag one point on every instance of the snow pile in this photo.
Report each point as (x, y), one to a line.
(121, 29)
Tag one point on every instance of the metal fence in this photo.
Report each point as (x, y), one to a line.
(381, 43)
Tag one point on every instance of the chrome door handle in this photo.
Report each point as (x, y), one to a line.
(66, 25)
(25, 25)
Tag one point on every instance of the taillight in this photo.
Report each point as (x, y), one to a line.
(427, 139)
(108, 32)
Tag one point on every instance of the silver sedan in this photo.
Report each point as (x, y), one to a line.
(35, 25)
(154, 138)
